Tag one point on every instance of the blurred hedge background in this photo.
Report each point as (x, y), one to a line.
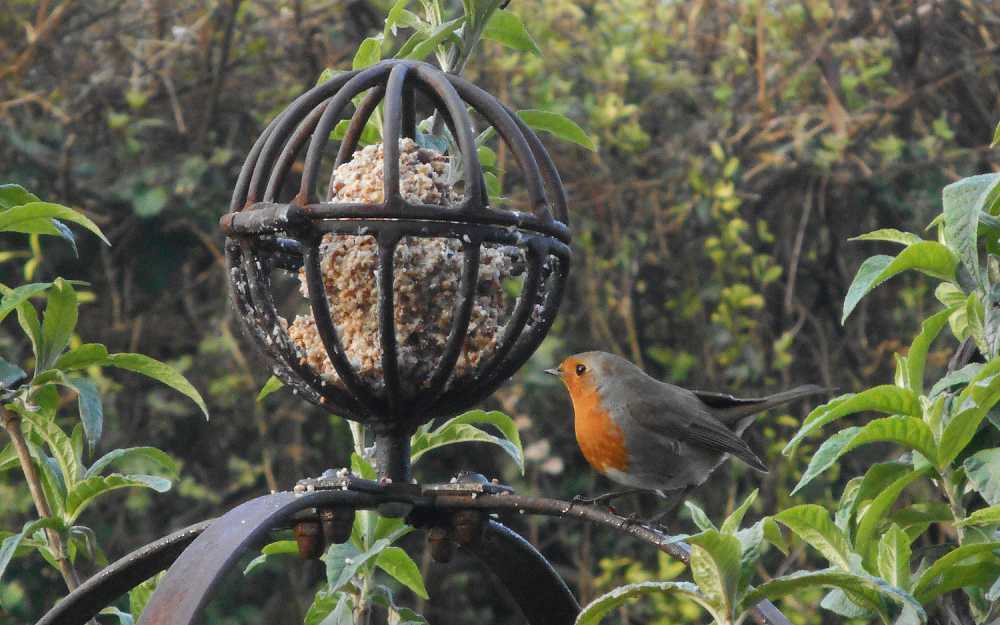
(741, 143)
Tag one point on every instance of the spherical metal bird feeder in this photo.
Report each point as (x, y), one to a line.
(266, 234)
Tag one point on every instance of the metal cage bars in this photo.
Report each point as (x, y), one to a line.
(266, 234)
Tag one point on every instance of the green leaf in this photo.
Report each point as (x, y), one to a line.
(86, 355)
(507, 28)
(963, 202)
(139, 596)
(10, 544)
(369, 53)
(278, 547)
(58, 322)
(996, 137)
(983, 471)
(85, 491)
(889, 234)
(910, 432)
(343, 561)
(929, 257)
(58, 443)
(962, 427)
(428, 43)
(160, 372)
(933, 574)
(124, 618)
(558, 125)
(773, 535)
(91, 409)
(370, 134)
(462, 429)
(733, 521)
(593, 612)
(10, 374)
(273, 384)
(983, 516)
(917, 356)
(813, 525)
(859, 587)
(15, 297)
(151, 454)
(342, 614)
(716, 568)
(876, 511)
(329, 608)
(894, 557)
(362, 468)
(751, 545)
(403, 569)
(12, 195)
(888, 398)
(699, 518)
(962, 376)
(20, 216)
(394, 18)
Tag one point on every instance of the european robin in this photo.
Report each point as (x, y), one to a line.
(649, 435)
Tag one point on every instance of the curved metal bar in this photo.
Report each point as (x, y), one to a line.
(279, 347)
(357, 126)
(328, 333)
(455, 106)
(535, 586)
(522, 312)
(185, 588)
(361, 81)
(391, 133)
(290, 151)
(460, 324)
(764, 613)
(124, 574)
(240, 198)
(288, 120)
(494, 112)
(548, 167)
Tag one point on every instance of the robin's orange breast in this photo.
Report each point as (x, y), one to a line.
(601, 439)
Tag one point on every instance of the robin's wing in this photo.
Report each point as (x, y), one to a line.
(680, 414)
(721, 401)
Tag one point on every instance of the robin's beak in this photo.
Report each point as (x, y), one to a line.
(554, 372)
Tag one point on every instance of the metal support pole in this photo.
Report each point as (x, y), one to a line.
(392, 456)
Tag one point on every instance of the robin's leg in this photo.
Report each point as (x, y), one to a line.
(674, 501)
(605, 498)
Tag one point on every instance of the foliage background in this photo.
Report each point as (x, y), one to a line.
(740, 144)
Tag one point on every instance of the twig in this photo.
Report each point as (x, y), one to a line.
(12, 423)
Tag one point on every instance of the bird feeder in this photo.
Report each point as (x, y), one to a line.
(346, 248)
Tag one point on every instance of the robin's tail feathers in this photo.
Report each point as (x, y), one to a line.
(736, 412)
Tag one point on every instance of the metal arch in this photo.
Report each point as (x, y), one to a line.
(537, 589)
(185, 588)
(116, 579)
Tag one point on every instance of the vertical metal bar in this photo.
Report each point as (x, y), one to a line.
(387, 320)
(392, 455)
(391, 132)
(471, 249)
(409, 113)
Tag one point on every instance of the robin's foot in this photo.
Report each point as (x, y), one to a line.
(604, 499)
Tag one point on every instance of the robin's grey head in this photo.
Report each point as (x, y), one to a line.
(587, 367)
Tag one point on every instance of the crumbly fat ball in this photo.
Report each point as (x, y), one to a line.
(426, 281)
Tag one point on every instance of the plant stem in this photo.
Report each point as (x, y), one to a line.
(12, 423)
(954, 502)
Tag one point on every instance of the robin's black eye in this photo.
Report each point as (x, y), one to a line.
(581, 369)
